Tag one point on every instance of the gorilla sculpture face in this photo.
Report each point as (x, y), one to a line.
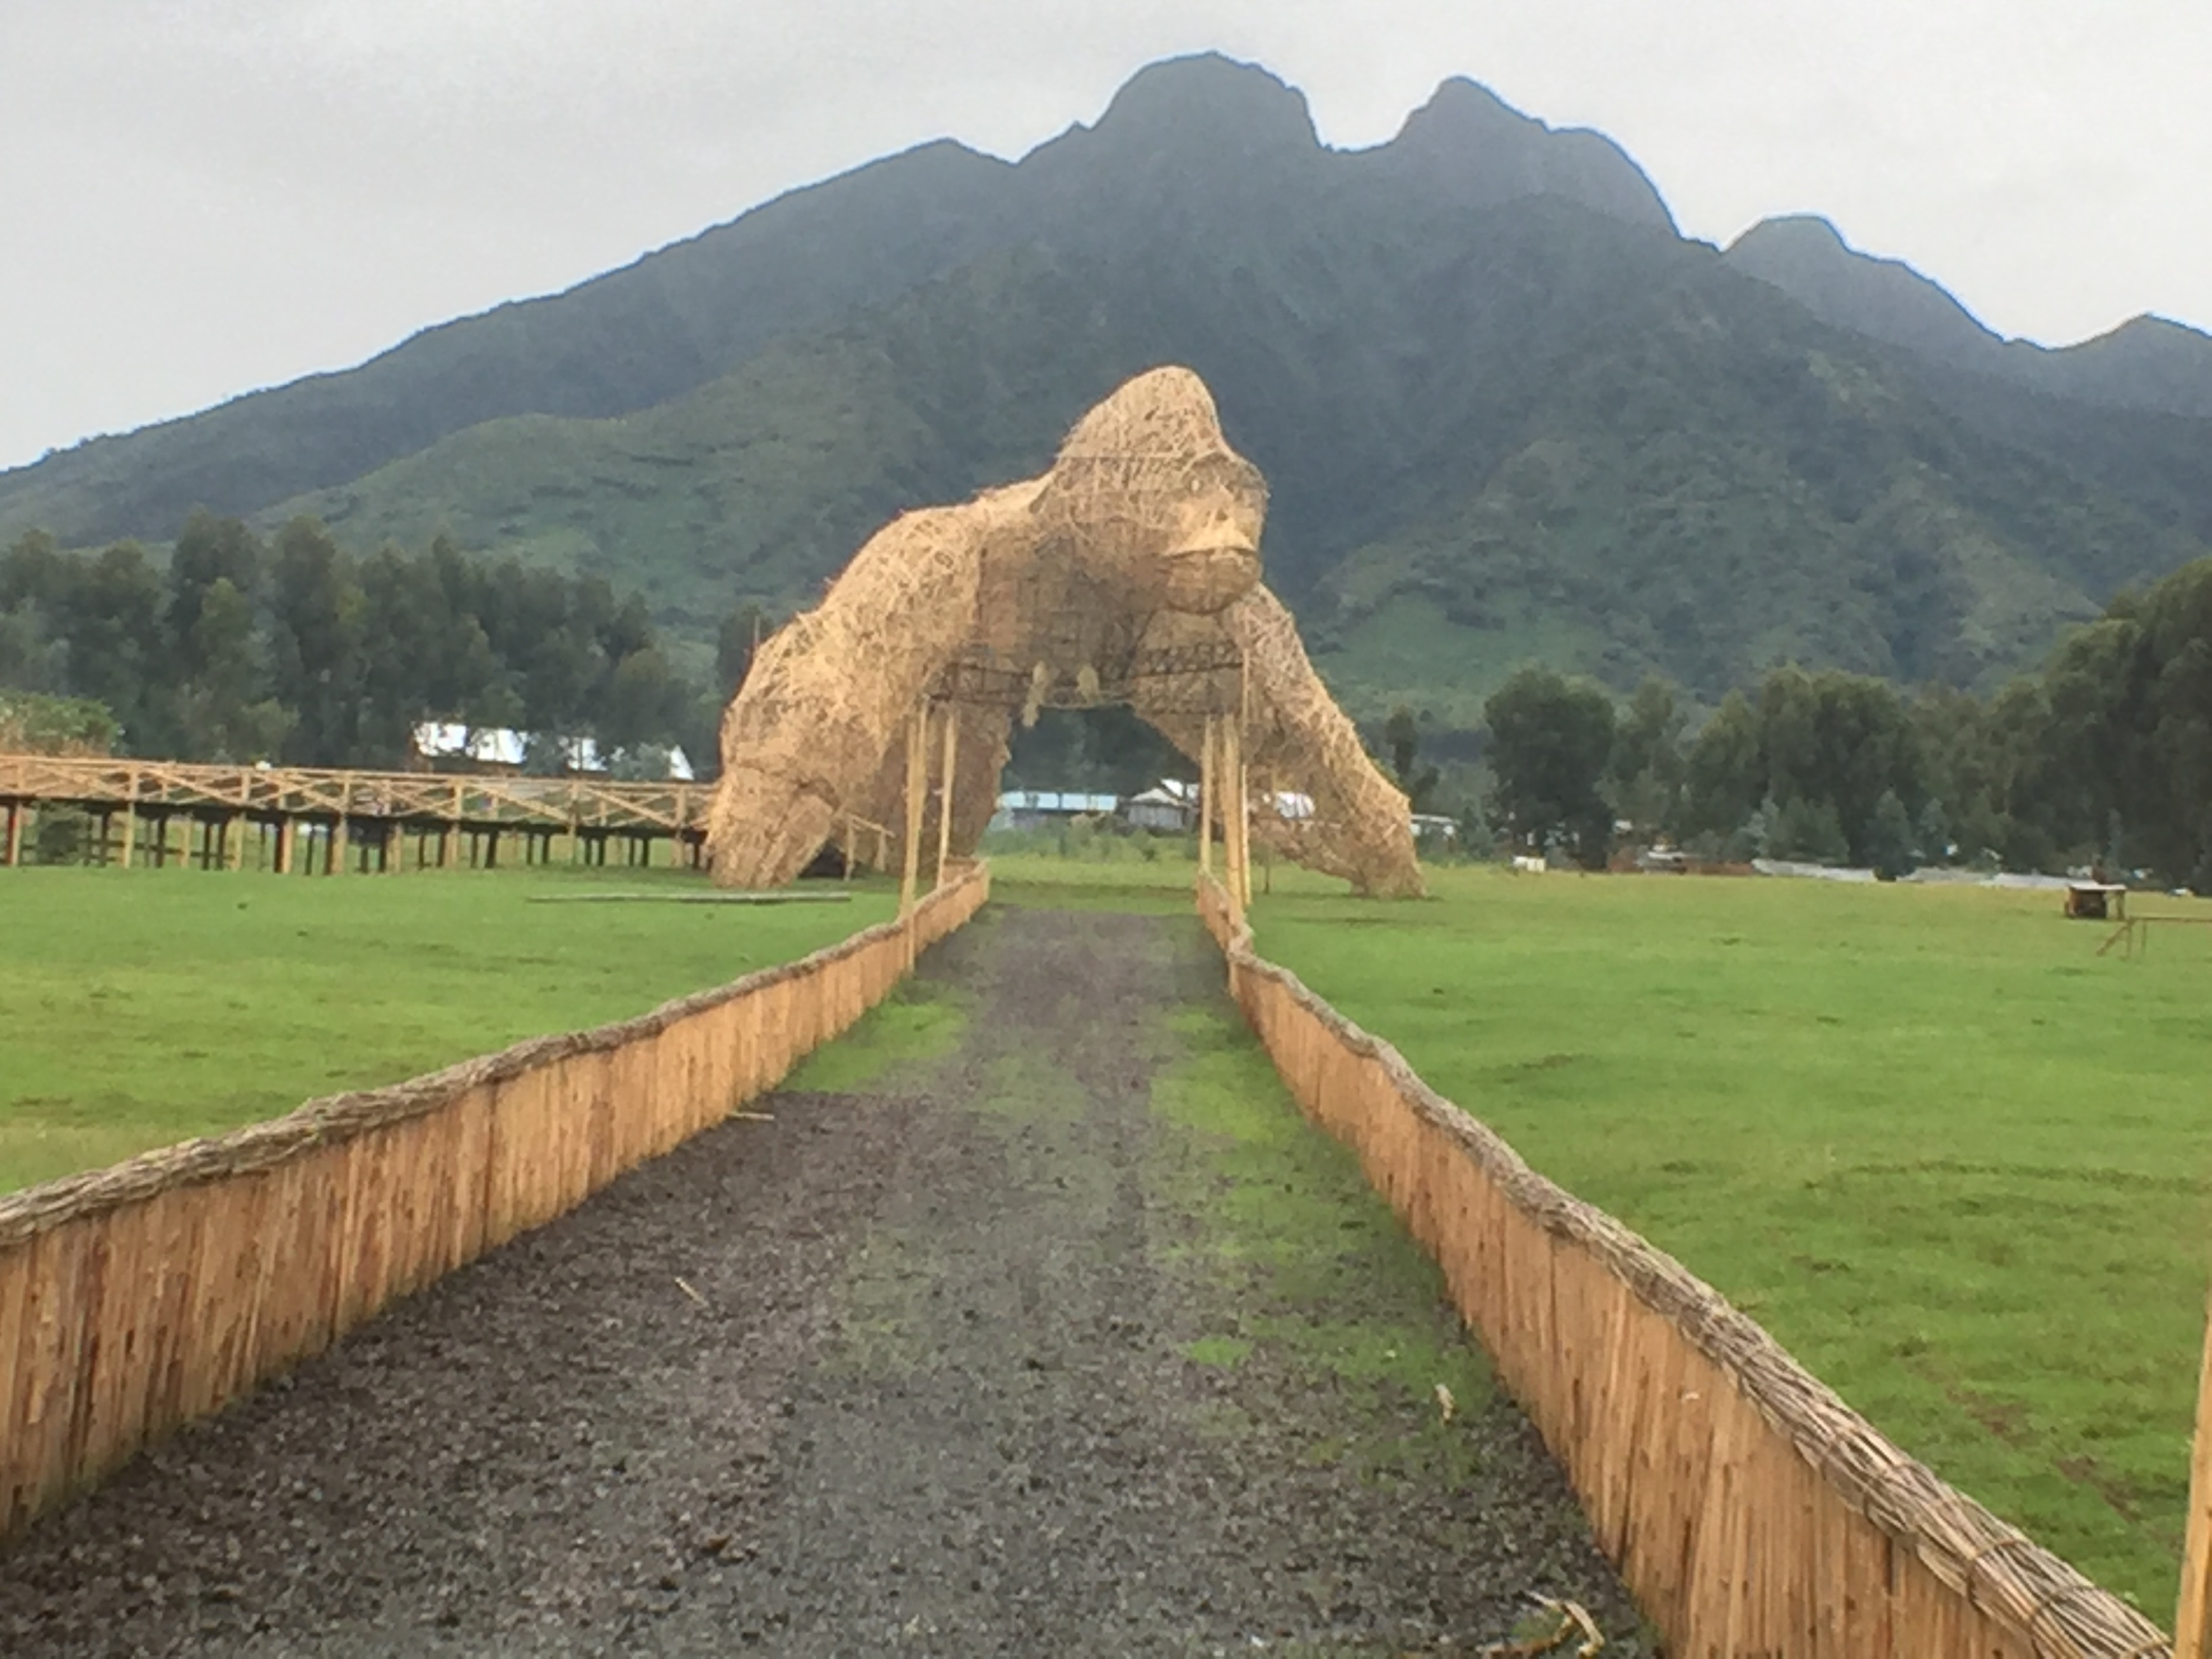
(1147, 487)
(1212, 558)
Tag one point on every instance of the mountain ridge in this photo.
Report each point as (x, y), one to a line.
(2146, 363)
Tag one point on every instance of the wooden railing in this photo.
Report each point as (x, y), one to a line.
(307, 792)
(136, 1298)
(1753, 1514)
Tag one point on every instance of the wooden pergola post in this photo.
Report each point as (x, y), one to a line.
(917, 792)
(130, 816)
(15, 834)
(1229, 769)
(944, 801)
(1205, 799)
(1243, 826)
(1240, 783)
(2192, 1619)
(285, 836)
(335, 863)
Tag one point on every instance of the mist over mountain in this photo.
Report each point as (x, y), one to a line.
(1506, 410)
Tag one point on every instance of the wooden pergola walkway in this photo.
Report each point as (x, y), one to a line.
(309, 820)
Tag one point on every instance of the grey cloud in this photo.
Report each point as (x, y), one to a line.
(200, 196)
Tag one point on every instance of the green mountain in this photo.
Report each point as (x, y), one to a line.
(1506, 410)
(2146, 364)
(2130, 411)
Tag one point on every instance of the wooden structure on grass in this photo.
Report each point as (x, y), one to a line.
(2096, 901)
(305, 820)
(2132, 936)
(1129, 574)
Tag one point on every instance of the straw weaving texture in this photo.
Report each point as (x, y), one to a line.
(1139, 548)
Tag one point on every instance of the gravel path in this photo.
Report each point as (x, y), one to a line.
(919, 1369)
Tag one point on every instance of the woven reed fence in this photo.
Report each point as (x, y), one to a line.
(1750, 1510)
(136, 1298)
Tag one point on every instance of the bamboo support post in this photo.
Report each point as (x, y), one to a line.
(2192, 1620)
(917, 789)
(1240, 783)
(1243, 827)
(944, 801)
(1229, 770)
(1206, 799)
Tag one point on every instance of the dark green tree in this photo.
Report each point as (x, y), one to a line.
(224, 711)
(1724, 776)
(317, 665)
(110, 614)
(1645, 778)
(740, 634)
(1401, 737)
(1550, 741)
(644, 704)
(1892, 843)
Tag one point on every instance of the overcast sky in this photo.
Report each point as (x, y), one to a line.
(200, 197)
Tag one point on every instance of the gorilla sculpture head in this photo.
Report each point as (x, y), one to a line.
(1147, 489)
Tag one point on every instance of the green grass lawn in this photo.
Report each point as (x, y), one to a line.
(141, 1007)
(1951, 1159)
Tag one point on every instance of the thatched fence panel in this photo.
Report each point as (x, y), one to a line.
(1750, 1510)
(136, 1298)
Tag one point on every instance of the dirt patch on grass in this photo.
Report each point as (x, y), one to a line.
(1071, 1340)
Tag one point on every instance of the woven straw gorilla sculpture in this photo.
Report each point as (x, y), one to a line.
(1140, 545)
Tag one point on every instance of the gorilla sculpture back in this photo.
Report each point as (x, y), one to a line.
(1130, 571)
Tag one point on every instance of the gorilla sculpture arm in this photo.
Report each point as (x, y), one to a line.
(1144, 537)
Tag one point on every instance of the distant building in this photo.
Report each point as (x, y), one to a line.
(1435, 827)
(1171, 804)
(1035, 809)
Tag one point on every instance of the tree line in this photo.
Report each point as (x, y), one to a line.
(293, 650)
(2103, 757)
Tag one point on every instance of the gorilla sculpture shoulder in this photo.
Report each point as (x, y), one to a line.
(1143, 539)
